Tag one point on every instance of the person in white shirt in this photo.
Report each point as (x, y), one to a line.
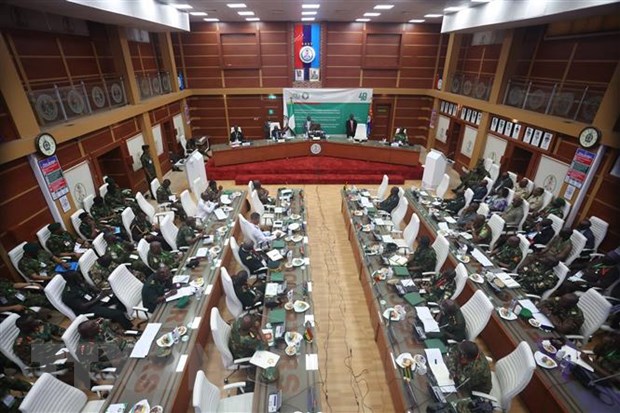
(261, 237)
(205, 206)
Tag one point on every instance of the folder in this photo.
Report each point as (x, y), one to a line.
(436, 343)
(277, 316)
(400, 271)
(278, 244)
(414, 298)
(72, 267)
(277, 277)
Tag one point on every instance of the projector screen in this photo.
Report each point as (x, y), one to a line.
(329, 107)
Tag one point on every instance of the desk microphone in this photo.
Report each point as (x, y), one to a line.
(592, 382)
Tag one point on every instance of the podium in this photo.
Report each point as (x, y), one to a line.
(434, 169)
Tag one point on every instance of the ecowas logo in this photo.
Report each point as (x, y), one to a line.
(307, 54)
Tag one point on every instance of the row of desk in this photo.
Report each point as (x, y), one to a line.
(548, 390)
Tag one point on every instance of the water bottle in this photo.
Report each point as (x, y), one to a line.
(565, 366)
(198, 293)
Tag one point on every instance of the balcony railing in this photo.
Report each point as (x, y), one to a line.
(475, 86)
(568, 101)
(59, 104)
(153, 84)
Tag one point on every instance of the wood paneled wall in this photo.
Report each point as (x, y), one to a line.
(478, 60)
(146, 57)
(7, 127)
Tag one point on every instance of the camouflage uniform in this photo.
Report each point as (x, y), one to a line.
(9, 385)
(484, 234)
(551, 209)
(242, 345)
(9, 295)
(163, 194)
(120, 255)
(509, 255)
(103, 212)
(149, 167)
(61, 243)
(152, 290)
(185, 233)
(43, 264)
(114, 198)
(26, 345)
(477, 371)
(513, 215)
(424, 258)
(165, 258)
(100, 274)
(389, 203)
(538, 278)
(401, 138)
(107, 349)
(139, 227)
(572, 318)
(88, 231)
(440, 288)
(454, 327)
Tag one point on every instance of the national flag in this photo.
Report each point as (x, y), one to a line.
(369, 123)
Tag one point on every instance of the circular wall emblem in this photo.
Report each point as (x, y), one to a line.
(307, 54)
(75, 102)
(156, 85)
(305, 95)
(315, 149)
(46, 107)
(79, 193)
(98, 96)
(117, 93)
(550, 183)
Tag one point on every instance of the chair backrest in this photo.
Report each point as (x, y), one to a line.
(234, 305)
(524, 246)
(234, 246)
(76, 222)
(578, 240)
(188, 204)
(48, 394)
(246, 229)
(155, 186)
(43, 235)
(100, 244)
(15, 255)
(103, 190)
(443, 186)
(88, 202)
(126, 287)
(514, 372)
(460, 280)
(557, 223)
(127, 217)
(250, 187)
(560, 272)
(272, 125)
(493, 173)
(468, 195)
(398, 214)
(383, 187)
(232, 128)
(488, 162)
(8, 334)
(196, 187)
(511, 196)
(143, 251)
(169, 231)
(71, 336)
(53, 292)
(595, 309)
(401, 192)
(513, 178)
(441, 247)
(410, 233)
(86, 262)
(599, 229)
(530, 185)
(483, 209)
(257, 205)
(361, 133)
(477, 312)
(490, 183)
(566, 210)
(221, 333)
(547, 197)
(526, 210)
(145, 206)
(206, 396)
(497, 224)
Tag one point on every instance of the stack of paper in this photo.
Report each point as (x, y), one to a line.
(181, 292)
(180, 279)
(274, 255)
(142, 347)
(481, 258)
(508, 280)
(407, 282)
(398, 260)
(264, 359)
(224, 199)
(77, 248)
(440, 370)
(312, 362)
(449, 219)
(443, 226)
(425, 316)
(544, 321)
(271, 289)
(465, 235)
(387, 239)
(220, 214)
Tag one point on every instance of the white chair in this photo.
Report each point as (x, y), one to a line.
(53, 291)
(8, 335)
(189, 206)
(524, 246)
(88, 202)
(566, 210)
(235, 308)
(196, 187)
(441, 247)
(272, 125)
(235, 250)
(483, 209)
(497, 224)
(169, 231)
(398, 214)
(493, 173)
(143, 251)
(246, 229)
(128, 289)
(511, 196)
(43, 235)
(410, 233)
(560, 272)
(530, 185)
(513, 178)
(250, 188)
(103, 190)
(599, 229)
(443, 186)
(547, 197)
(468, 195)
(86, 262)
(15, 255)
(48, 394)
(221, 334)
(127, 216)
(476, 312)
(154, 185)
(383, 187)
(460, 280)
(149, 209)
(71, 336)
(100, 244)
(488, 162)
(361, 133)
(260, 208)
(557, 223)
(490, 183)
(526, 210)
(595, 309)
(207, 397)
(578, 240)
(76, 221)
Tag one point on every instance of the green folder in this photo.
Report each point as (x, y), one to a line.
(401, 271)
(414, 299)
(436, 343)
(277, 316)
(278, 244)
(227, 192)
(277, 277)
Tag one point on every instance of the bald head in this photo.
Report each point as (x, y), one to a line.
(513, 241)
(88, 329)
(449, 307)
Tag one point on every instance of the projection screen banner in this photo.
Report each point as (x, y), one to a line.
(329, 107)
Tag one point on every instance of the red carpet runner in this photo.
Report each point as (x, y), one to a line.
(314, 170)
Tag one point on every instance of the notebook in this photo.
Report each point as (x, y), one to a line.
(436, 343)
(414, 299)
(401, 271)
(278, 244)
(277, 316)
(72, 267)
(277, 277)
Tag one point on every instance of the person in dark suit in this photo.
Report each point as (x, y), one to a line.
(351, 126)
(276, 133)
(236, 135)
(308, 125)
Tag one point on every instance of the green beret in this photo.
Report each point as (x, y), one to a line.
(54, 227)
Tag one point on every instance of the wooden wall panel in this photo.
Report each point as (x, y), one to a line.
(478, 60)
(7, 127)
(413, 113)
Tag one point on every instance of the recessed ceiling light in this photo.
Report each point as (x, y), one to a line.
(182, 6)
(252, 19)
(383, 6)
(372, 14)
(432, 16)
(237, 5)
(453, 9)
(211, 19)
(307, 19)
(310, 6)
(308, 13)
(362, 20)
(417, 21)
(198, 13)
(245, 13)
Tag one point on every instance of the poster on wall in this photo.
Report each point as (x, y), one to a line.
(54, 178)
(469, 141)
(537, 137)
(494, 124)
(515, 131)
(495, 148)
(546, 141)
(550, 174)
(527, 138)
(307, 45)
(442, 129)
(508, 129)
(579, 167)
(500, 126)
(80, 181)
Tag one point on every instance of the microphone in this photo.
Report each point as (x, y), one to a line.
(592, 382)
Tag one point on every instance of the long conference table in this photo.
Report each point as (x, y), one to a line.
(266, 150)
(548, 391)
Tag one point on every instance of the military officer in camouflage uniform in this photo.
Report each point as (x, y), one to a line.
(89, 227)
(158, 257)
(37, 341)
(8, 386)
(558, 249)
(148, 166)
(563, 312)
(124, 252)
(555, 207)
(246, 336)
(423, 259)
(163, 196)
(186, 235)
(61, 242)
(451, 322)
(391, 202)
(38, 264)
(101, 270)
(156, 288)
(538, 276)
(16, 298)
(101, 345)
(103, 214)
(472, 177)
(514, 213)
(469, 368)
(442, 286)
(509, 254)
(480, 230)
(114, 197)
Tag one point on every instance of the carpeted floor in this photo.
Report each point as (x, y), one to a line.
(316, 170)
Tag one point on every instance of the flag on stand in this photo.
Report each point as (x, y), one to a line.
(369, 123)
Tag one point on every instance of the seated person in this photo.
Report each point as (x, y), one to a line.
(187, 234)
(12, 391)
(89, 227)
(521, 189)
(157, 257)
(141, 227)
(61, 243)
(559, 248)
(101, 345)
(276, 133)
(157, 288)
(124, 252)
(206, 205)
(263, 194)
(556, 207)
(563, 312)
(454, 205)
(249, 295)
(389, 203)
(601, 272)
(451, 322)
(308, 125)
(103, 214)
(401, 137)
(480, 230)
(472, 177)
(101, 270)
(606, 356)
(37, 341)
(317, 131)
(83, 299)
(423, 259)
(246, 336)
(509, 255)
(468, 215)
(514, 213)
(538, 277)
(38, 264)
(350, 126)
(214, 189)
(17, 297)
(114, 197)
(259, 235)
(499, 202)
(236, 136)
(586, 231)
(469, 368)
(163, 196)
(480, 190)
(542, 233)
(536, 199)
(251, 259)
(441, 287)
(503, 181)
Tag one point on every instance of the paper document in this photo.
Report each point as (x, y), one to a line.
(181, 292)
(220, 214)
(181, 364)
(264, 359)
(278, 210)
(544, 321)
(387, 239)
(398, 260)
(465, 235)
(180, 279)
(202, 252)
(527, 303)
(274, 255)
(481, 258)
(508, 280)
(78, 249)
(271, 289)
(142, 347)
(449, 219)
(575, 357)
(312, 362)
(116, 408)
(172, 198)
(440, 370)
(443, 226)
(536, 313)
(425, 316)
(378, 221)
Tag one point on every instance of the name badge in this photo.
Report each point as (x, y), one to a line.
(43, 265)
(88, 297)
(20, 296)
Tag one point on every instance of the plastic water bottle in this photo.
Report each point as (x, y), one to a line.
(198, 293)
(565, 366)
